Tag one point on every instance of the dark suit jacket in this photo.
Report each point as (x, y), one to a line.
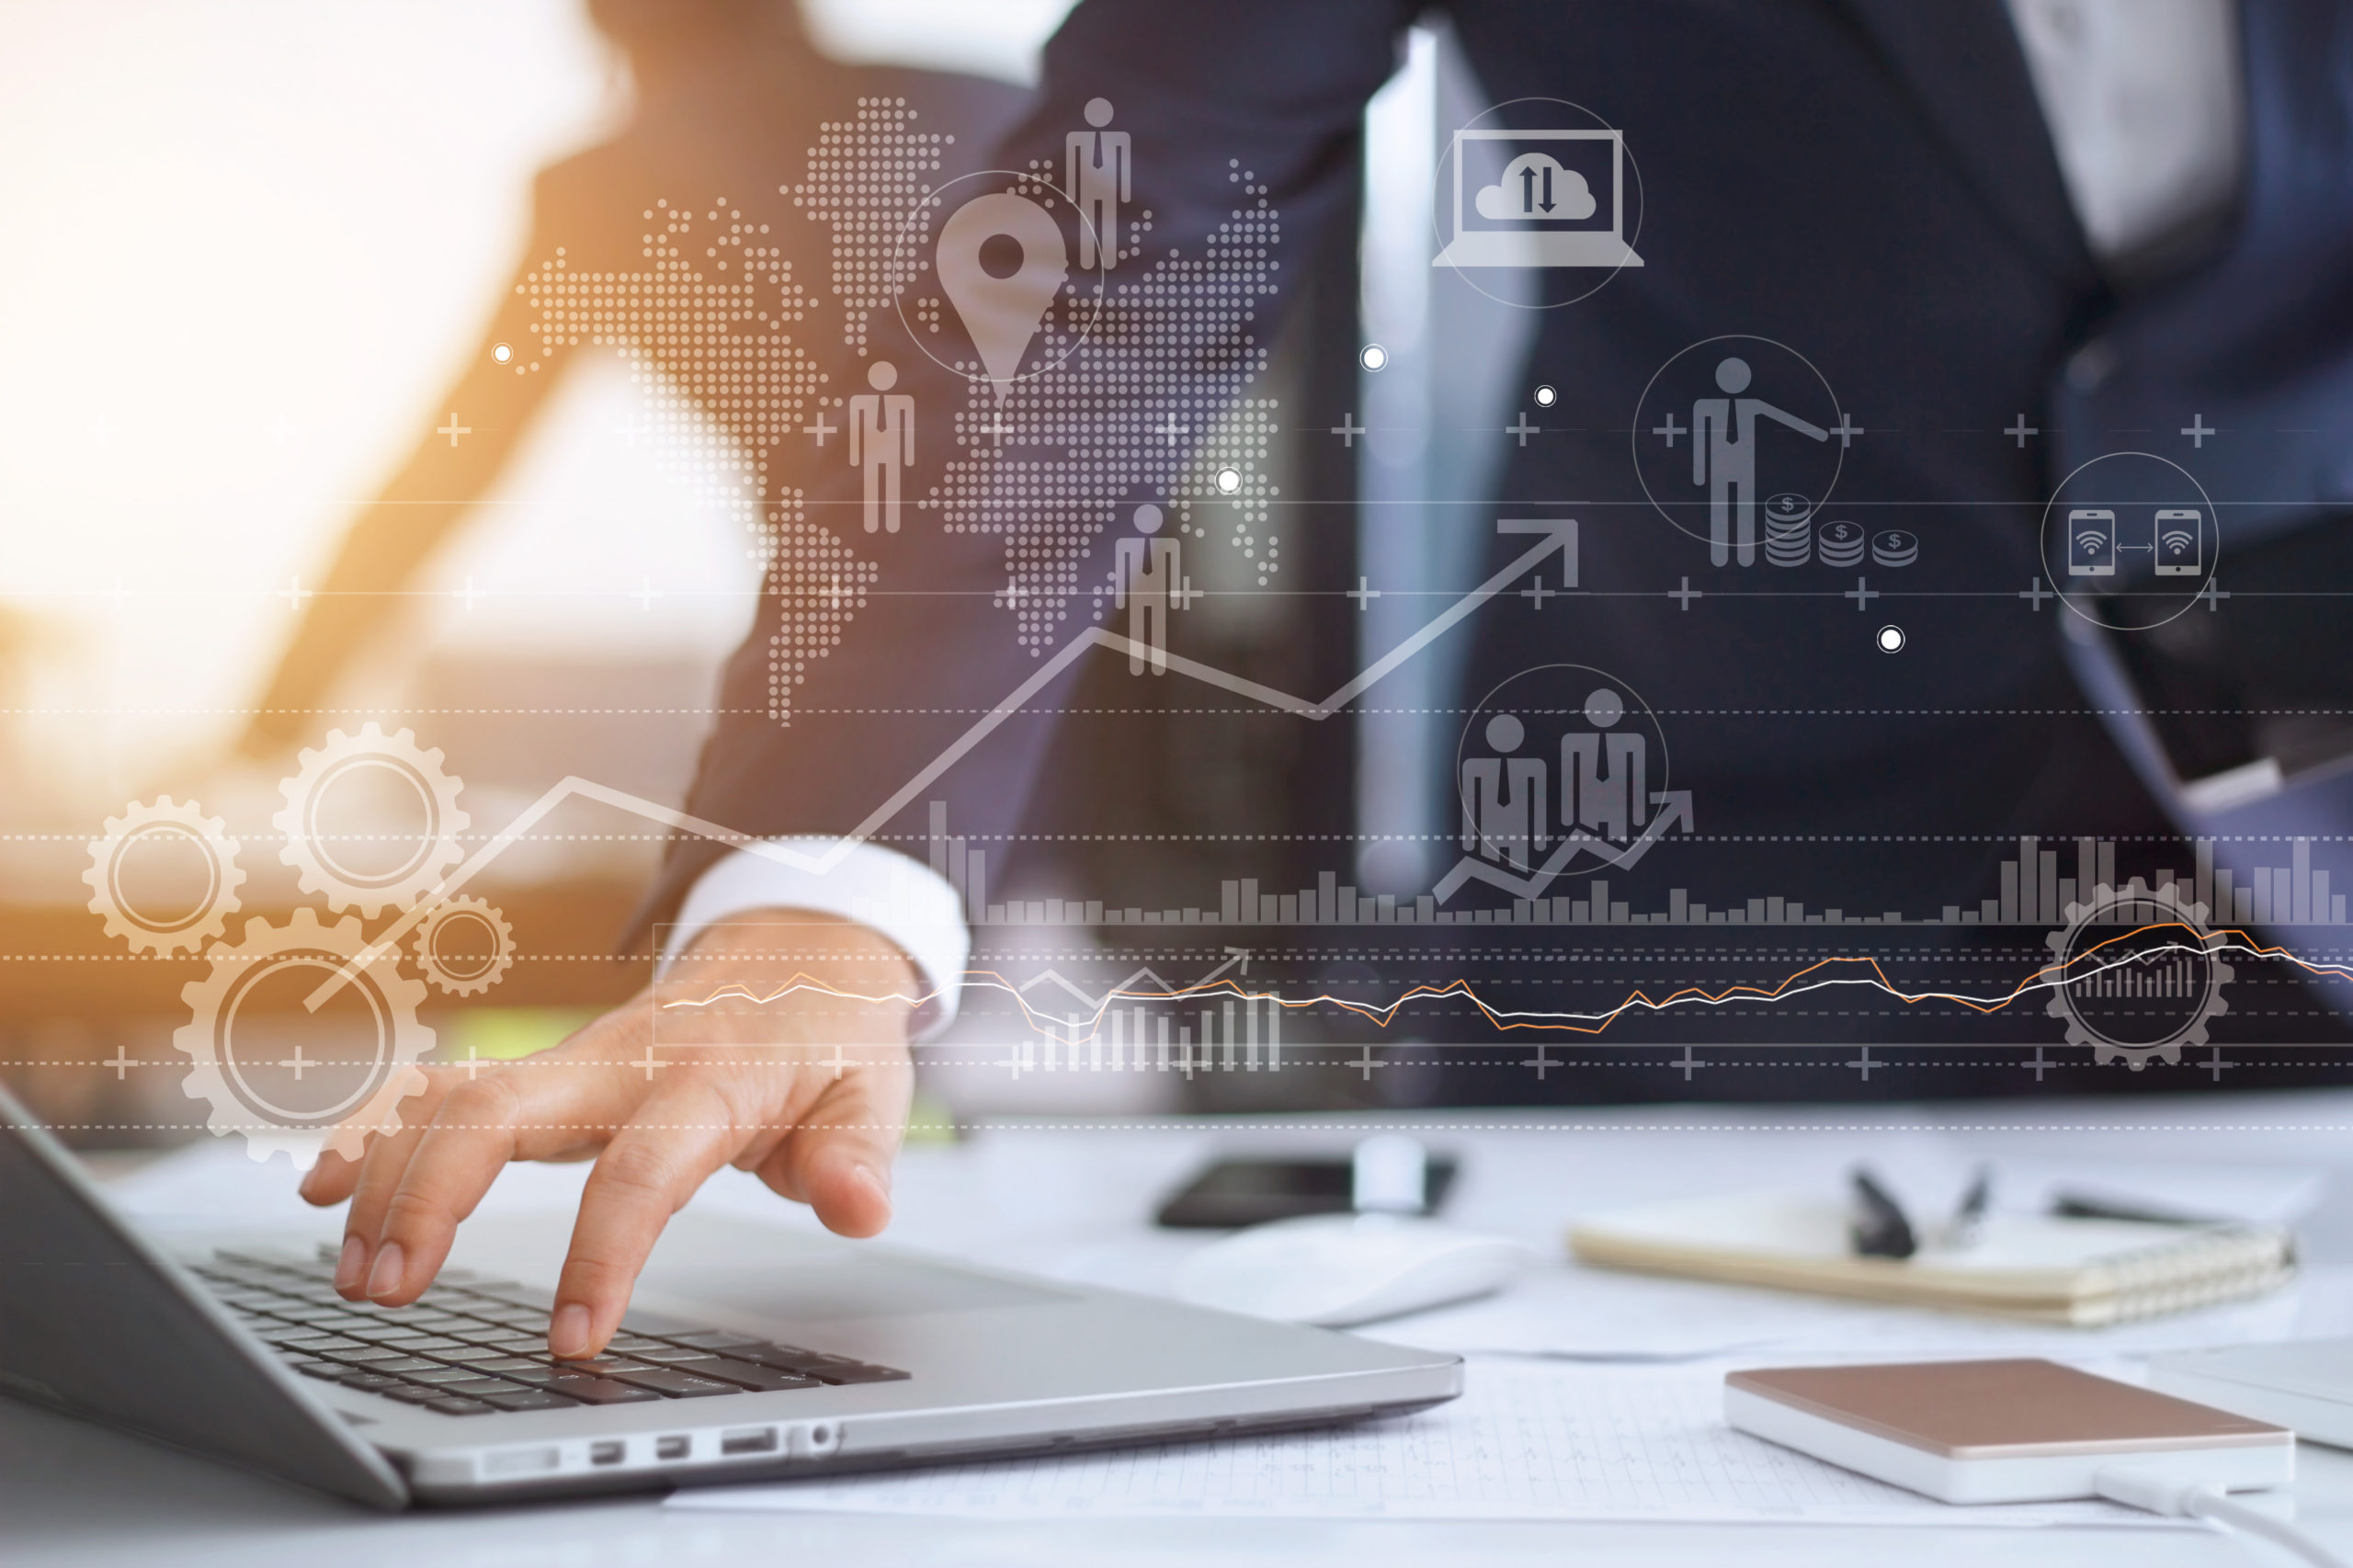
(1870, 181)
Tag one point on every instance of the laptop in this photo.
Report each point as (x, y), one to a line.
(1560, 201)
(750, 1353)
(2303, 1384)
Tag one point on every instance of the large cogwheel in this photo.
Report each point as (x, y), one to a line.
(183, 928)
(465, 945)
(336, 1102)
(328, 868)
(2185, 995)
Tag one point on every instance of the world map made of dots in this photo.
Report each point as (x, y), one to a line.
(1134, 388)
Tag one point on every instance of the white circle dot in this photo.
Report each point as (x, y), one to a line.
(1373, 357)
(1228, 482)
(501, 353)
(1546, 397)
(1890, 640)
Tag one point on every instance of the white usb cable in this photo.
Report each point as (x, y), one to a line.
(2147, 1488)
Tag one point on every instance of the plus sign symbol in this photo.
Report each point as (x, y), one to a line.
(1727, 427)
(2130, 541)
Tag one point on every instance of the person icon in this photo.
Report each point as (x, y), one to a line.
(1723, 457)
(1504, 798)
(882, 442)
(1098, 182)
(1604, 775)
(1144, 571)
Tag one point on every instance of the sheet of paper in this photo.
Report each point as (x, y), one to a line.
(1525, 1441)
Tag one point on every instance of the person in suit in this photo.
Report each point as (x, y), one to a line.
(726, 95)
(1924, 199)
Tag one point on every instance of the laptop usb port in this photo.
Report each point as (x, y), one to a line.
(671, 1448)
(752, 1440)
(607, 1453)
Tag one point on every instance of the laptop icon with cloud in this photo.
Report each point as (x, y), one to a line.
(1539, 199)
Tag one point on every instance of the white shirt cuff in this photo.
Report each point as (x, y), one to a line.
(881, 889)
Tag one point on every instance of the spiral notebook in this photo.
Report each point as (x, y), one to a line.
(2084, 1272)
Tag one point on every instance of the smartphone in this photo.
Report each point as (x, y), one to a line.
(1232, 1193)
(2181, 533)
(2091, 543)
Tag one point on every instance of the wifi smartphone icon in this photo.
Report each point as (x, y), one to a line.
(2180, 536)
(2091, 543)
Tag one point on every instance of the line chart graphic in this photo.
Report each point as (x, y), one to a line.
(2108, 964)
(1554, 534)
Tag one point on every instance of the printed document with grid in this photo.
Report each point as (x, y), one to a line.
(1526, 1440)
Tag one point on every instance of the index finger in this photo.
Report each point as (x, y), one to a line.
(645, 1175)
(408, 1209)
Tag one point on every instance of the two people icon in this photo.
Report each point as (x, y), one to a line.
(1723, 457)
(882, 443)
(1605, 790)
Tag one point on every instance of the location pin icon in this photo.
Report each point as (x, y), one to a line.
(1001, 301)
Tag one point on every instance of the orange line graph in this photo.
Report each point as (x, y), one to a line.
(1821, 973)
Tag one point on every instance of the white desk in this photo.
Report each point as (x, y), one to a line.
(71, 1493)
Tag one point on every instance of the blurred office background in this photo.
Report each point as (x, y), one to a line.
(252, 241)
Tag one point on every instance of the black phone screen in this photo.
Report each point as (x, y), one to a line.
(1232, 1193)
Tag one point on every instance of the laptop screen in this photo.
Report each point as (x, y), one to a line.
(1537, 182)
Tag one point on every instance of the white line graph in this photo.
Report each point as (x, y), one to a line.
(1556, 534)
(2075, 973)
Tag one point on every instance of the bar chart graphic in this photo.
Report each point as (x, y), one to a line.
(2033, 891)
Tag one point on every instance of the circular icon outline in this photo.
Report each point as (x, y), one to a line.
(2100, 908)
(215, 1076)
(437, 967)
(1657, 729)
(184, 822)
(323, 765)
(1634, 434)
(2209, 527)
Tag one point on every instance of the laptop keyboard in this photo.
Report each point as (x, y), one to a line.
(471, 1345)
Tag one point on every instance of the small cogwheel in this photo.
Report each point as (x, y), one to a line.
(2103, 998)
(186, 926)
(464, 946)
(404, 878)
(340, 1102)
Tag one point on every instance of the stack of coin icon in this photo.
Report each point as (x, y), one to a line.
(1895, 547)
(1841, 544)
(1789, 531)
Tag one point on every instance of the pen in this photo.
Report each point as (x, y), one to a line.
(1961, 1231)
(1877, 1228)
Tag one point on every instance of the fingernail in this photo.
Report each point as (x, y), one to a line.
(568, 1334)
(879, 1180)
(385, 1278)
(352, 1264)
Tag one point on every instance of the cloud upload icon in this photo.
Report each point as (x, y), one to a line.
(1536, 189)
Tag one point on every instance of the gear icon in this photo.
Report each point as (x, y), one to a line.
(417, 774)
(178, 929)
(2185, 995)
(464, 946)
(339, 1103)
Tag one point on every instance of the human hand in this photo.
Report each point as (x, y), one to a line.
(809, 1091)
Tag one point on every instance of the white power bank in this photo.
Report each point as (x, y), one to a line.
(2013, 1431)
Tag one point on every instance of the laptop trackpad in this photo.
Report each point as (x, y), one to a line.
(872, 1287)
(773, 1273)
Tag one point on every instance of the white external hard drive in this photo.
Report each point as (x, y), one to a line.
(2017, 1431)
